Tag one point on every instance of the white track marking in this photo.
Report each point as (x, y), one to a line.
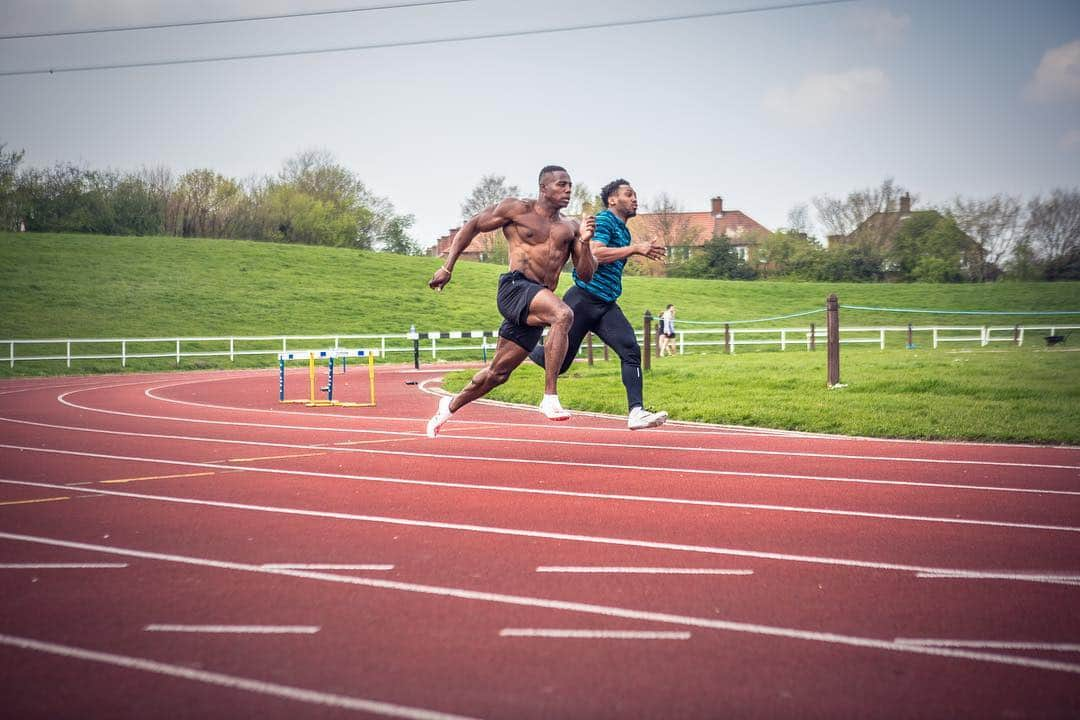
(537, 534)
(640, 570)
(541, 441)
(287, 692)
(484, 458)
(594, 634)
(324, 566)
(1053, 578)
(991, 644)
(537, 491)
(575, 607)
(60, 566)
(236, 629)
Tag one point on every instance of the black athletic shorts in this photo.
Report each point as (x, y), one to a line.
(515, 295)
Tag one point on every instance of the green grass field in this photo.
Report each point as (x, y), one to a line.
(57, 286)
(1012, 395)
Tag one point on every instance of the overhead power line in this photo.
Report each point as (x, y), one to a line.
(428, 41)
(222, 21)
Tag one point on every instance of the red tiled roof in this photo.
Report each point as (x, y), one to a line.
(735, 224)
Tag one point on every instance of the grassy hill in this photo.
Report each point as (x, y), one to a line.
(79, 286)
(92, 286)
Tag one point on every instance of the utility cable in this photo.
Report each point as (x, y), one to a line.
(429, 41)
(253, 18)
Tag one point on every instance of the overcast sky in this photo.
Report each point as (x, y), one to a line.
(766, 109)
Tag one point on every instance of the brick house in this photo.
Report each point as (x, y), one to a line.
(479, 249)
(880, 229)
(683, 232)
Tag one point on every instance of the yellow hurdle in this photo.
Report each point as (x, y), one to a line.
(313, 400)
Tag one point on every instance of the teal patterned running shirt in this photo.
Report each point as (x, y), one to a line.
(606, 282)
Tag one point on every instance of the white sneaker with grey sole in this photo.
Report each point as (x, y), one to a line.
(440, 417)
(640, 418)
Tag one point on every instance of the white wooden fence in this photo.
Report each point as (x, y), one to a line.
(481, 342)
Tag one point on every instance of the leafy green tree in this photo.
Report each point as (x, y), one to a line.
(850, 263)
(716, 260)
(787, 253)
(11, 200)
(928, 247)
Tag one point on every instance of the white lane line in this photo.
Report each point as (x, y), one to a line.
(1053, 578)
(237, 629)
(324, 566)
(594, 634)
(60, 566)
(542, 441)
(287, 692)
(536, 534)
(567, 493)
(991, 644)
(484, 458)
(640, 570)
(575, 607)
(538, 491)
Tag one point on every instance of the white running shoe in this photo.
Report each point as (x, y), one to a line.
(553, 409)
(440, 418)
(640, 418)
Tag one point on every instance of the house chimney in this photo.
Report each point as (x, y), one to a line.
(718, 205)
(905, 203)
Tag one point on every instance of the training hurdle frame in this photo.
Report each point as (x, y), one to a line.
(330, 355)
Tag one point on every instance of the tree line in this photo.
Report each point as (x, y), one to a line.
(869, 238)
(312, 200)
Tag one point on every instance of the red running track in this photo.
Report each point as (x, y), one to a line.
(182, 545)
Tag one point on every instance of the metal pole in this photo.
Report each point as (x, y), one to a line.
(832, 311)
(647, 338)
(588, 348)
(813, 337)
(727, 338)
(415, 337)
(910, 340)
(330, 379)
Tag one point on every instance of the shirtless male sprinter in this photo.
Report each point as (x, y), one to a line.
(539, 240)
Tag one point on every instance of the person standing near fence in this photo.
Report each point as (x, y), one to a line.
(665, 331)
(539, 242)
(593, 299)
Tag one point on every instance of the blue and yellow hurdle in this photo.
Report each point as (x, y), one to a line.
(313, 400)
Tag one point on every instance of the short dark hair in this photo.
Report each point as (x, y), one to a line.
(548, 169)
(609, 189)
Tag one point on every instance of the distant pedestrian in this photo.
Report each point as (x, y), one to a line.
(665, 331)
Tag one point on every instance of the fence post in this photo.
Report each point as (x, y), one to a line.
(605, 352)
(123, 353)
(813, 337)
(69, 354)
(415, 337)
(985, 339)
(910, 340)
(1016, 335)
(588, 348)
(832, 313)
(647, 338)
